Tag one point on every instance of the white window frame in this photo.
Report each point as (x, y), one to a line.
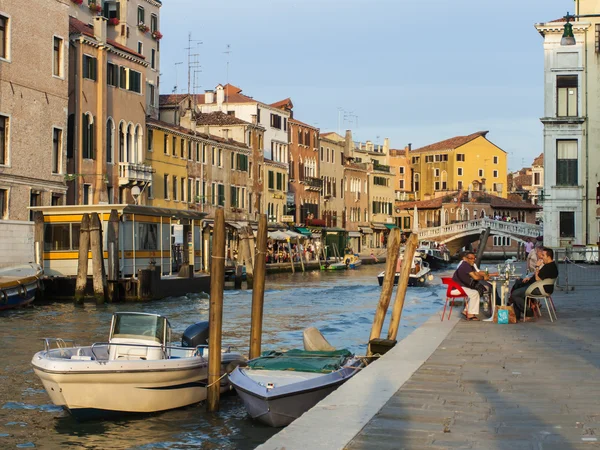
(8, 57)
(495, 174)
(4, 215)
(7, 143)
(495, 160)
(481, 173)
(60, 149)
(61, 71)
(459, 171)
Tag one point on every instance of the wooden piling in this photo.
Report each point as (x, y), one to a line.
(301, 253)
(98, 271)
(393, 250)
(485, 234)
(249, 253)
(289, 245)
(112, 238)
(38, 237)
(217, 284)
(409, 252)
(258, 290)
(82, 264)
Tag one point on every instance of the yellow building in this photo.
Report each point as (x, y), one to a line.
(459, 163)
(275, 185)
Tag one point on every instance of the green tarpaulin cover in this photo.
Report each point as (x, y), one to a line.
(301, 360)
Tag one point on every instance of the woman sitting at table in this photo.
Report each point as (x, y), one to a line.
(548, 271)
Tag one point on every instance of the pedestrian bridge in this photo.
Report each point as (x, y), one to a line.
(470, 231)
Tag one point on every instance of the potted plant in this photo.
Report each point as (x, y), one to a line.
(77, 2)
(95, 8)
(157, 35)
(113, 21)
(143, 28)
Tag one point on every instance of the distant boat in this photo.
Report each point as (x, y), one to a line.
(436, 259)
(279, 387)
(419, 273)
(352, 261)
(333, 266)
(18, 285)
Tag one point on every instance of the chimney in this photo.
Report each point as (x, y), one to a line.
(100, 28)
(209, 96)
(254, 119)
(220, 96)
(386, 145)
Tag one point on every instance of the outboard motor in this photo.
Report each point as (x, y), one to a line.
(195, 335)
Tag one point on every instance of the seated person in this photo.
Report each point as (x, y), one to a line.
(548, 270)
(467, 277)
(536, 261)
(486, 286)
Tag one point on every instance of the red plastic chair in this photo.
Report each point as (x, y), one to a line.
(452, 285)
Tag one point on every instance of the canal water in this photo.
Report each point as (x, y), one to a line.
(340, 304)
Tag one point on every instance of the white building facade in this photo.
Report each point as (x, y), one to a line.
(571, 159)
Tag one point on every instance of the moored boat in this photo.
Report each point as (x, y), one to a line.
(435, 258)
(419, 273)
(18, 285)
(137, 371)
(279, 387)
(352, 261)
(333, 266)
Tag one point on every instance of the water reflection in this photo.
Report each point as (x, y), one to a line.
(342, 305)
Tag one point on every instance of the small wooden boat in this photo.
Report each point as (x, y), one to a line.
(279, 387)
(137, 371)
(333, 266)
(18, 285)
(352, 261)
(419, 273)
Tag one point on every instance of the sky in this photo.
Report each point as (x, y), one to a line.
(417, 71)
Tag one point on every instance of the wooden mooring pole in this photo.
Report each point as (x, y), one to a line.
(409, 252)
(112, 239)
(485, 234)
(388, 286)
(258, 290)
(98, 271)
(38, 237)
(82, 264)
(217, 284)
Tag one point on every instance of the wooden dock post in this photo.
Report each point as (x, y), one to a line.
(82, 264)
(485, 234)
(249, 254)
(38, 238)
(112, 238)
(301, 253)
(409, 252)
(98, 271)
(388, 285)
(258, 290)
(289, 245)
(217, 284)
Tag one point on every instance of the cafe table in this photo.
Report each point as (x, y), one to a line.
(504, 291)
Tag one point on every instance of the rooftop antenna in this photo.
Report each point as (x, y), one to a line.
(192, 63)
(227, 52)
(176, 83)
(341, 113)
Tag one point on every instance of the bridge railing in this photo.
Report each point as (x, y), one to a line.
(518, 229)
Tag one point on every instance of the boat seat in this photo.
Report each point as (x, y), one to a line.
(141, 349)
(81, 358)
(314, 341)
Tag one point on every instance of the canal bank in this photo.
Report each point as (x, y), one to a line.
(472, 385)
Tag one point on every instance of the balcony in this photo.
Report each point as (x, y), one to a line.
(313, 184)
(381, 168)
(131, 174)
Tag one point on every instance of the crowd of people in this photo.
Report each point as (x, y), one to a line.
(475, 283)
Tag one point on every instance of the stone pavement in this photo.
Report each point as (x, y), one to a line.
(487, 386)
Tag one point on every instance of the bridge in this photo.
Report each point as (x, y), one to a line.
(460, 234)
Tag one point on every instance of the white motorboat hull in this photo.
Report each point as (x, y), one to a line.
(91, 387)
(288, 399)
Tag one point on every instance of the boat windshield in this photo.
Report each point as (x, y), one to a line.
(135, 325)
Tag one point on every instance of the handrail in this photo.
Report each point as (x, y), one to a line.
(60, 343)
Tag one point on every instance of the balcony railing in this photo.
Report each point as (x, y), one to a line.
(313, 184)
(132, 174)
(381, 168)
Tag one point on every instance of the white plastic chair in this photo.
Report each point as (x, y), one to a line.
(540, 285)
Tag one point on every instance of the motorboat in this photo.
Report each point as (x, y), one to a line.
(19, 284)
(327, 265)
(419, 272)
(137, 371)
(434, 257)
(352, 261)
(278, 387)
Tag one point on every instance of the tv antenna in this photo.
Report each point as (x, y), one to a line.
(176, 87)
(227, 52)
(193, 62)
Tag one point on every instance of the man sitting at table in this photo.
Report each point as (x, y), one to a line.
(549, 270)
(467, 277)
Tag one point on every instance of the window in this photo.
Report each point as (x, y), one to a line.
(150, 138)
(141, 15)
(501, 241)
(3, 140)
(380, 181)
(480, 172)
(182, 148)
(460, 157)
(276, 121)
(57, 200)
(182, 197)
(4, 37)
(112, 74)
(89, 67)
(567, 224)
(57, 60)
(166, 144)
(279, 182)
(401, 184)
(220, 155)
(135, 81)
(566, 163)
(401, 170)
(87, 189)
(35, 199)
(197, 152)
(198, 193)
(495, 174)
(140, 48)
(166, 187)
(3, 203)
(566, 95)
(110, 140)
(56, 149)
(153, 22)
(436, 172)
(221, 194)
(459, 185)
(271, 181)
(111, 10)
(322, 154)
(459, 171)
(61, 236)
(189, 150)
(204, 153)
(175, 198)
(153, 58)
(147, 235)
(87, 132)
(537, 179)
(495, 160)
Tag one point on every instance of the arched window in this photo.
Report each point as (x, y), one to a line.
(416, 180)
(122, 142)
(87, 134)
(129, 143)
(110, 140)
(138, 145)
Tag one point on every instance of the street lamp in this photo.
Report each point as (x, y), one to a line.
(568, 38)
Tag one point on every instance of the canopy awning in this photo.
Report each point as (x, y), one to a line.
(354, 234)
(390, 226)
(278, 235)
(378, 226)
(366, 230)
(304, 231)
